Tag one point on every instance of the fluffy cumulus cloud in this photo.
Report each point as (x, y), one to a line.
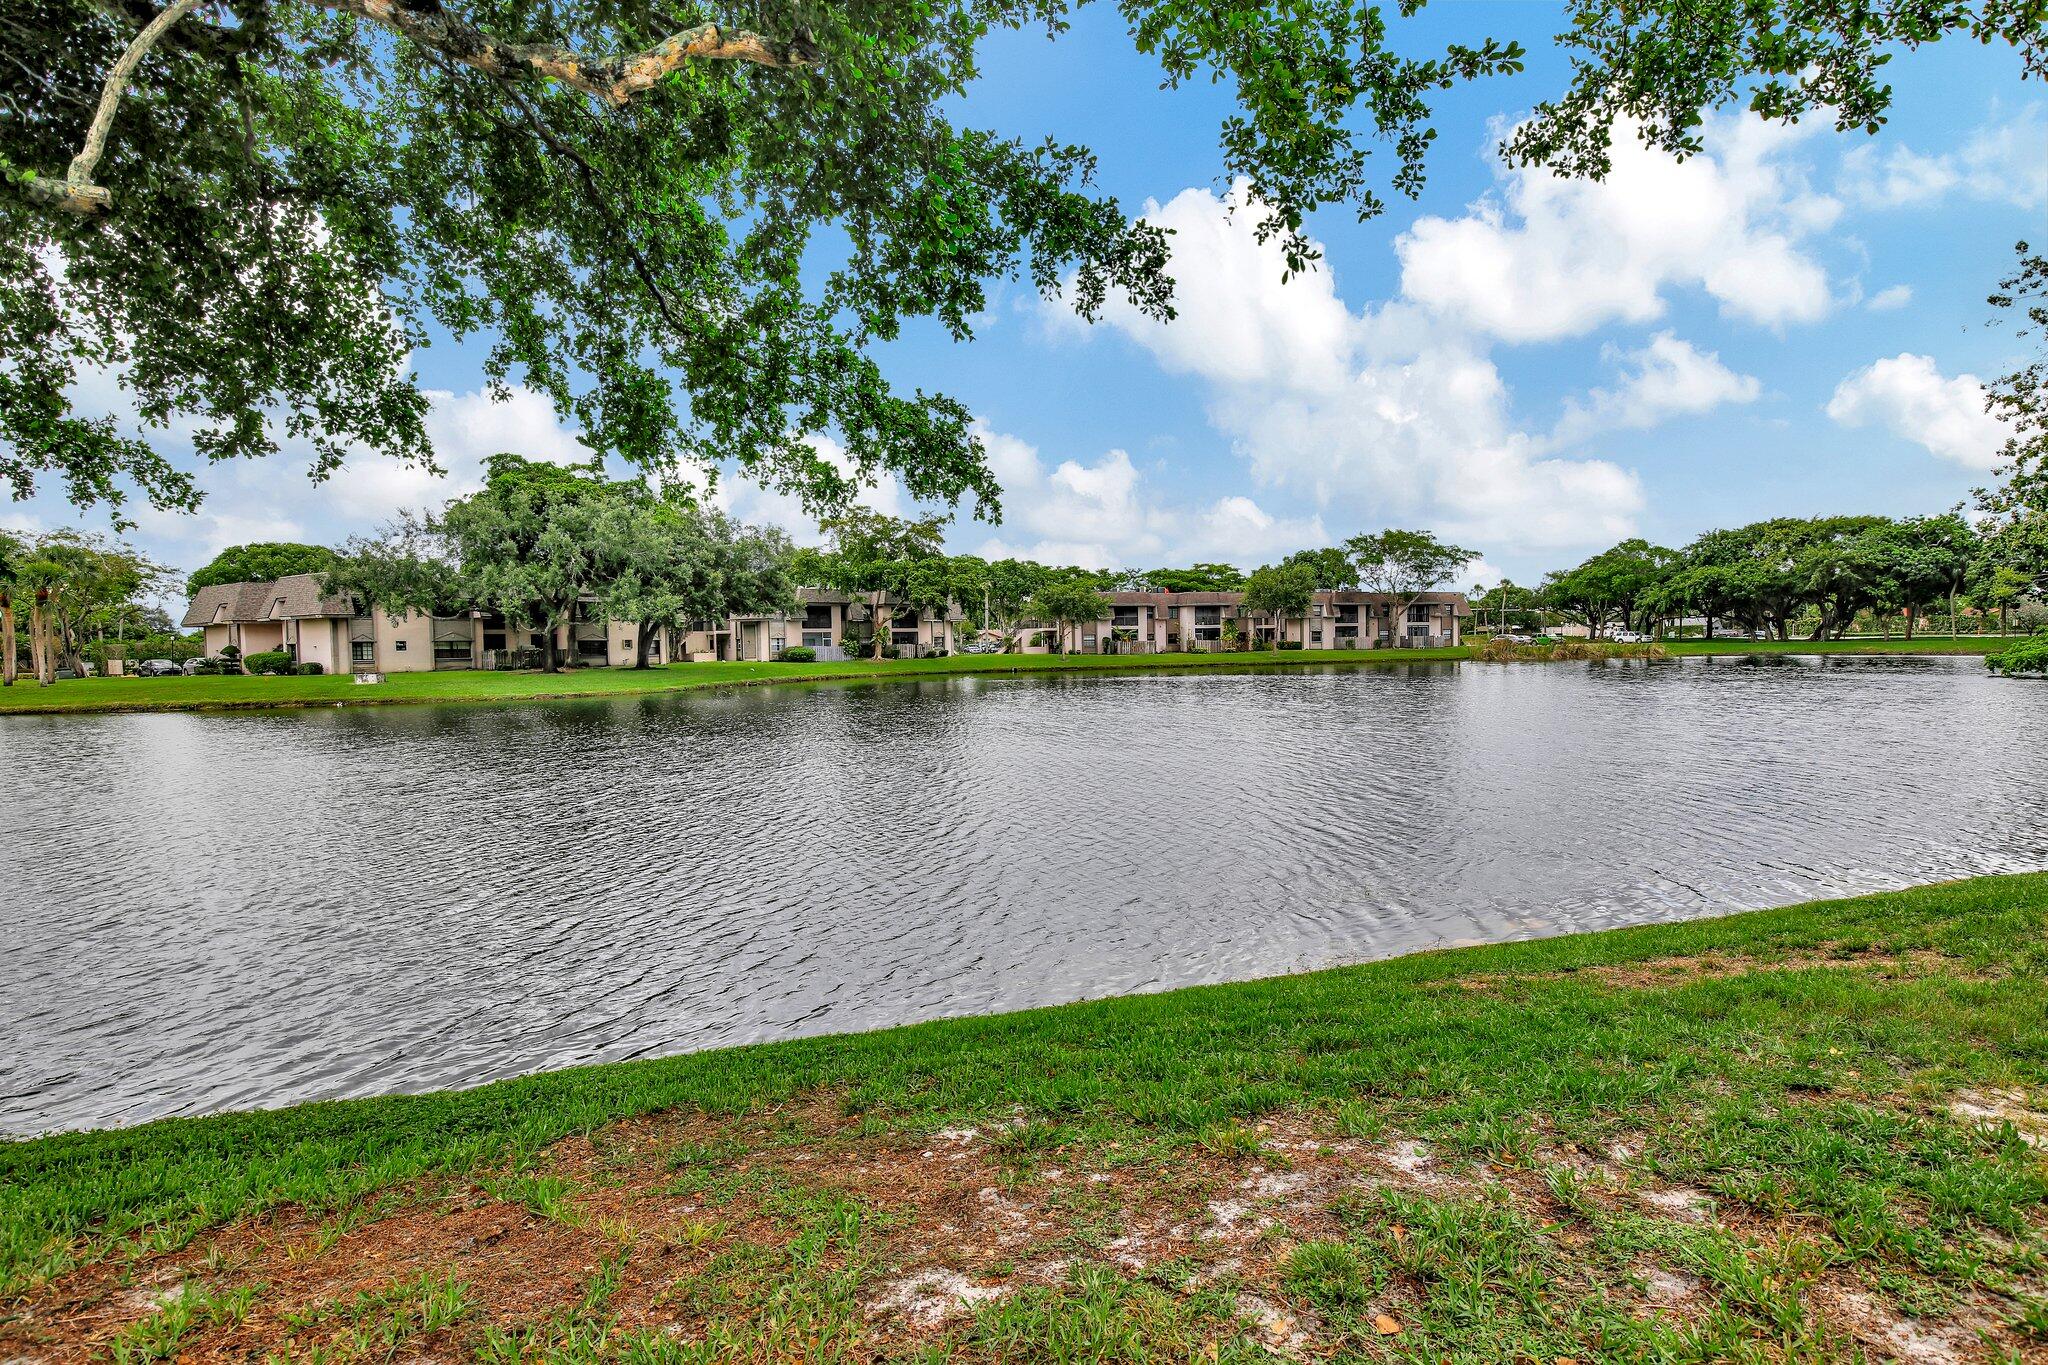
(1890, 299)
(1542, 257)
(2004, 162)
(1393, 413)
(273, 499)
(1109, 514)
(1910, 397)
(1667, 378)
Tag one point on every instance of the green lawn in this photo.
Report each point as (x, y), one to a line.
(229, 693)
(1802, 1133)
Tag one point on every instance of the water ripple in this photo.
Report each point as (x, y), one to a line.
(224, 911)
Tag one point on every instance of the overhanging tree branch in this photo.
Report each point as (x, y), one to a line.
(616, 80)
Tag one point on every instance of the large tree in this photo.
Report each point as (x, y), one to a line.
(678, 565)
(889, 561)
(260, 563)
(255, 209)
(1281, 591)
(78, 584)
(1067, 602)
(1403, 565)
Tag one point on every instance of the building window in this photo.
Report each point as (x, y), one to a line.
(494, 639)
(1125, 618)
(1315, 637)
(776, 643)
(1347, 615)
(1418, 612)
(817, 639)
(587, 648)
(1208, 616)
(1208, 633)
(817, 617)
(450, 651)
(398, 645)
(363, 651)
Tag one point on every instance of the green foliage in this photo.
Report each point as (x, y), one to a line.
(798, 654)
(2020, 398)
(1280, 591)
(300, 196)
(271, 661)
(668, 565)
(1199, 578)
(1330, 567)
(260, 563)
(1067, 603)
(1615, 583)
(1662, 66)
(2029, 656)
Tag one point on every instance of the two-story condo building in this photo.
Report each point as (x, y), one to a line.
(1157, 622)
(293, 615)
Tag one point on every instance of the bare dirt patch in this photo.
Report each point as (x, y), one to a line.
(683, 1220)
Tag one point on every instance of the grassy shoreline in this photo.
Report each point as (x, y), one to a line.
(1804, 1132)
(402, 689)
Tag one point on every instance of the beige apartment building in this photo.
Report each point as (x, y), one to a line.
(292, 614)
(1162, 622)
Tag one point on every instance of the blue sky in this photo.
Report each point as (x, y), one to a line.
(1793, 323)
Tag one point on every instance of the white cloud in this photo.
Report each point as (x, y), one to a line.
(1668, 378)
(1886, 300)
(1545, 257)
(1109, 514)
(1395, 412)
(1909, 396)
(2002, 162)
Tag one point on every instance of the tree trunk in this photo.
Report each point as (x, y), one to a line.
(548, 662)
(1951, 612)
(7, 662)
(640, 647)
(1911, 611)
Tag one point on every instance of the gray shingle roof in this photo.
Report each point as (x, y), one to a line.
(295, 595)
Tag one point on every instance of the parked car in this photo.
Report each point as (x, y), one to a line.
(1628, 637)
(982, 647)
(157, 668)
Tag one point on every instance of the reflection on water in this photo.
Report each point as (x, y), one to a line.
(214, 911)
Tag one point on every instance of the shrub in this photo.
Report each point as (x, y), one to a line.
(1290, 644)
(2029, 656)
(308, 670)
(798, 654)
(271, 661)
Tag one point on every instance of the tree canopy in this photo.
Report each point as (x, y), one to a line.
(688, 228)
(260, 562)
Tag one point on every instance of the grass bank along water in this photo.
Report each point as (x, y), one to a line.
(1806, 1132)
(241, 693)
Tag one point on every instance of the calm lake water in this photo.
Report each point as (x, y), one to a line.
(220, 911)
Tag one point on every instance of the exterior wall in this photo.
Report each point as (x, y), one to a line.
(405, 644)
(320, 642)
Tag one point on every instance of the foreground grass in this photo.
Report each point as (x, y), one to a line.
(235, 693)
(1794, 1133)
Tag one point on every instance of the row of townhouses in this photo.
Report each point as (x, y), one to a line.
(291, 614)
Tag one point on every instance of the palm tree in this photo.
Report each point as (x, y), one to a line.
(12, 553)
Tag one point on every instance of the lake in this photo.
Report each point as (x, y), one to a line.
(212, 911)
